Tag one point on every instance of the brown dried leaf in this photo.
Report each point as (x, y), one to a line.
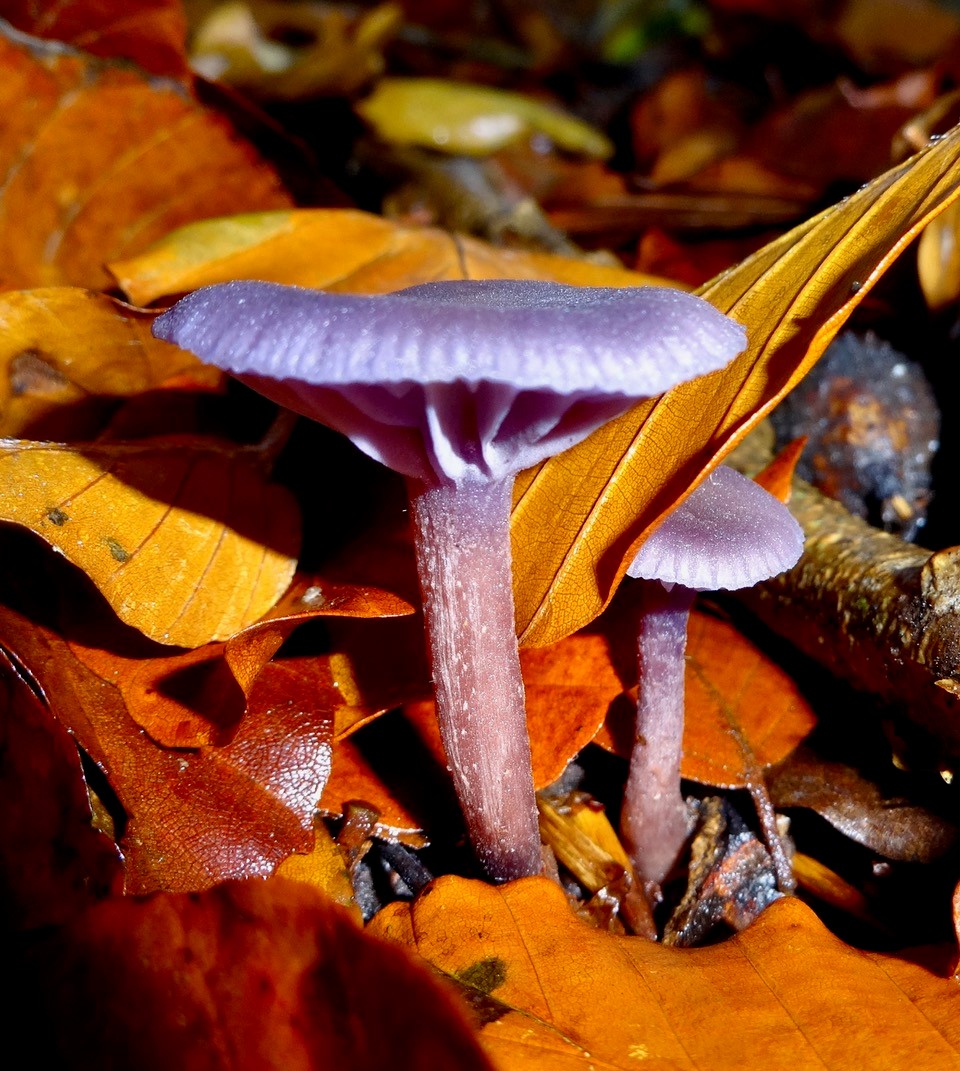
(893, 827)
(193, 817)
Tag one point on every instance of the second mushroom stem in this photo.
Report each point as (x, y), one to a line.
(462, 534)
(655, 819)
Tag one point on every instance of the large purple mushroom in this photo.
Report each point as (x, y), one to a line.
(730, 533)
(459, 386)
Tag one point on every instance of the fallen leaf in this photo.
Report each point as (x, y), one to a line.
(190, 818)
(265, 975)
(97, 161)
(580, 518)
(388, 767)
(53, 863)
(569, 688)
(337, 249)
(398, 670)
(891, 826)
(777, 477)
(456, 117)
(898, 34)
(743, 712)
(184, 537)
(66, 354)
(196, 698)
(325, 868)
(784, 993)
(292, 52)
(152, 33)
(938, 259)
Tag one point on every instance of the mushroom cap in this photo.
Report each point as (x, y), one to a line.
(730, 533)
(460, 379)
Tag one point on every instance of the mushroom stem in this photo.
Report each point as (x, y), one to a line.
(655, 820)
(462, 535)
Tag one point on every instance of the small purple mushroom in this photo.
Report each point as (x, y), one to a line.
(459, 386)
(730, 533)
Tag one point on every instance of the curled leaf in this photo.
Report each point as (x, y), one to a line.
(579, 518)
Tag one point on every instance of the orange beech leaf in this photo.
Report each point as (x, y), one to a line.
(53, 862)
(782, 994)
(310, 597)
(193, 817)
(184, 537)
(377, 665)
(956, 930)
(743, 712)
(152, 33)
(337, 249)
(65, 353)
(353, 778)
(258, 974)
(196, 698)
(184, 700)
(569, 688)
(580, 517)
(97, 161)
(938, 259)
(777, 477)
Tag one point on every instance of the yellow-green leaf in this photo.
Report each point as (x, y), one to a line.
(580, 518)
(457, 117)
(185, 539)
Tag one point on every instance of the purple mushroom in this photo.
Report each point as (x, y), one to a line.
(459, 386)
(730, 533)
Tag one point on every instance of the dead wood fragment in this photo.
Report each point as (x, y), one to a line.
(877, 611)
